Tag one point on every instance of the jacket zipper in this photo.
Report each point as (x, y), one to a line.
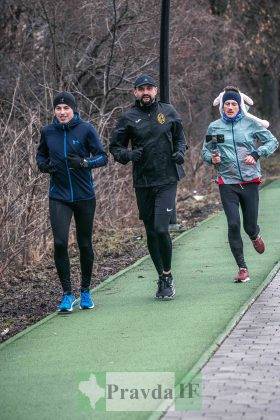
(236, 152)
(68, 172)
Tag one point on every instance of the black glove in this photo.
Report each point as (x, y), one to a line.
(76, 162)
(47, 168)
(178, 158)
(255, 155)
(135, 155)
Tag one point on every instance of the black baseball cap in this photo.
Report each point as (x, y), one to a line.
(144, 79)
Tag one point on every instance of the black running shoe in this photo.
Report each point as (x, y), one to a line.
(166, 288)
(160, 283)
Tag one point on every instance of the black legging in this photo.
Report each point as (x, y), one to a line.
(155, 205)
(159, 242)
(248, 198)
(60, 215)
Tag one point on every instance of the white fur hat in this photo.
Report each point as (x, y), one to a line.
(244, 100)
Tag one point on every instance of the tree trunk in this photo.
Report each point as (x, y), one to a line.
(270, 97)
(218, 7)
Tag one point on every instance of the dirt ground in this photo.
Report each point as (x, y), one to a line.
(33, 293)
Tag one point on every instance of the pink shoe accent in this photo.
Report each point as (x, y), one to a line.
(258, 244)
(242, 276)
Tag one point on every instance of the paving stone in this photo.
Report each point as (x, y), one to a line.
(173, 415)
(242, 379)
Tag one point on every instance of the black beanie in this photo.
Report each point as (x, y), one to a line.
(232, 95)
(65, 98)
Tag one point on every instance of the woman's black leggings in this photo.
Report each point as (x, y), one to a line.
(60, 215)
(247, 196)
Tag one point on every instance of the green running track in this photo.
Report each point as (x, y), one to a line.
(128, 331)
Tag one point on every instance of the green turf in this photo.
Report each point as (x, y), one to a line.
(129, 331)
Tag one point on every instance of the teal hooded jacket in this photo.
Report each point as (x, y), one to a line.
(241, 138)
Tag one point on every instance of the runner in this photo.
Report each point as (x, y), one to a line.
(158, 146)
(69, 149)
(234, 144)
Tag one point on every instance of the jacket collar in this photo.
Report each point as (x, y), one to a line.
(237, 117)
(72, 123)
(147, 108)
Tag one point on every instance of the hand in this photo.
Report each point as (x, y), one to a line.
(52, 169)
(47, 168)
(75, 161)
(178, 158)
(249, 160)
(216, 158)
(135, 155)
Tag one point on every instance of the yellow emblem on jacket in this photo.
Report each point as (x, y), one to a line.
(161, 118)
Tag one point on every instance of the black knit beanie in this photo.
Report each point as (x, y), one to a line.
(232, 95)
(65, 98)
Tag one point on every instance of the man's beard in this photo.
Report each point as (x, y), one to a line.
(146, 103)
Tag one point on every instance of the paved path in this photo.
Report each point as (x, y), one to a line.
(43, 368)
(242, 380)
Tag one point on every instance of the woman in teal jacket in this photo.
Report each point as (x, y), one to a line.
(234, 144)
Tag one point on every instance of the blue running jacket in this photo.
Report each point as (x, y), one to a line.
(57, 141)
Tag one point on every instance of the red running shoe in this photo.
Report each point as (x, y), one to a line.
(258, 244)
(242, 276)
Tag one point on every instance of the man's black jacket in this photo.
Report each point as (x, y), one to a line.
(158, 130)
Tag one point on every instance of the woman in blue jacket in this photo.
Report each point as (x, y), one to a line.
(234, 144)
(69, 149)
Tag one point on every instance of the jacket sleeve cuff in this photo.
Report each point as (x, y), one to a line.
(44, 168)
(97, 161)
(255, 155)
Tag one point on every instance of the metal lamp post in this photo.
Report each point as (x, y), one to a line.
(164, 52)
(164, 75)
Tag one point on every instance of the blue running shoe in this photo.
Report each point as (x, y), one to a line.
(86, 300)
(66, 304)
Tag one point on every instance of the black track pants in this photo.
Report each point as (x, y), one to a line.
(156, 205)
(247, 196)
(60, 215)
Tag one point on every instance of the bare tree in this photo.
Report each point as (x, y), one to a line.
(96, 49)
